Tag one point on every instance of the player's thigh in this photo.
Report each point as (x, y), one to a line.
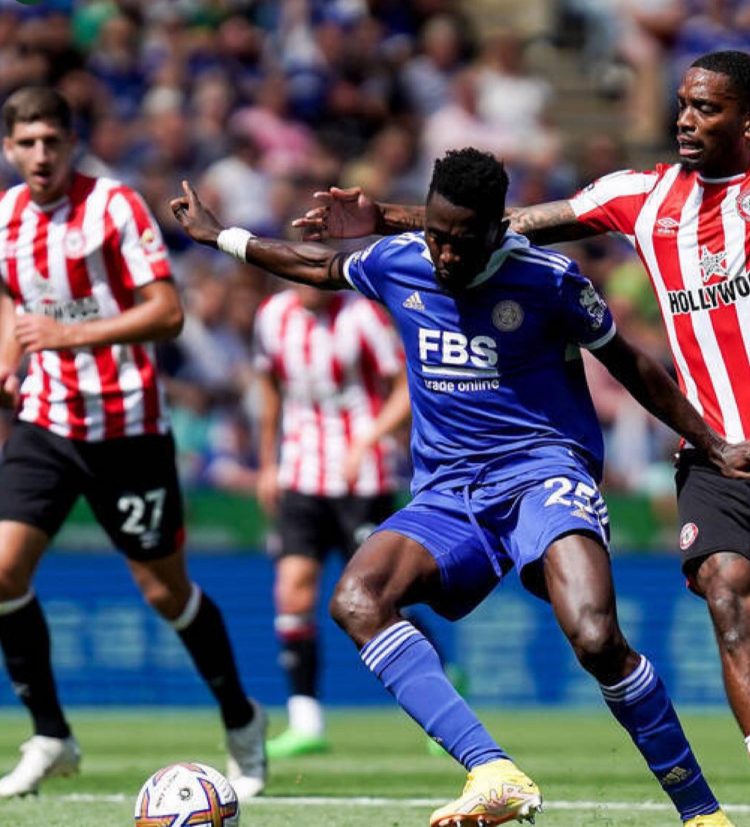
(444, 563)
(40, 480)
(715, 525)
(355, 519)
(296, 584)
(395, 568)
(134, 492)
(21, 548)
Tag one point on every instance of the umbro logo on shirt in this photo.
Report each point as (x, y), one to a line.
(414, 302)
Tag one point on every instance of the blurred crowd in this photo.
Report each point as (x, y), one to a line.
(261, 102)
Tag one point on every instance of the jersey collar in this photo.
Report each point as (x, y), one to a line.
(512, 241)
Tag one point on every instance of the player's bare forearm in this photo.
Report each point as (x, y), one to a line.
(269, 421)
(395, 412)
(398, 218)
(11, 352)
(304, 262)
(650, 384)
(548, 223)
(157, 316)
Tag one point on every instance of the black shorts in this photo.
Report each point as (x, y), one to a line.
(312, 526)
(714, 511)
(130, 483)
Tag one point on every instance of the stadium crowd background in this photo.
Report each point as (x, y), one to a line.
(260, 103)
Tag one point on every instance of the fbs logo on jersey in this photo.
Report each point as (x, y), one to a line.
(688, 535)
(414, 302)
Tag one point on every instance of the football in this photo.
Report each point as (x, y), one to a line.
(187, 794)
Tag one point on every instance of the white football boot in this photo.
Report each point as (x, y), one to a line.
(43, 757)
(246, 764)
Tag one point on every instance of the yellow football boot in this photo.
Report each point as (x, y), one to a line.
(494, 793)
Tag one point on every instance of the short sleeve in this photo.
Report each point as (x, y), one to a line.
(614, 202)
(362, 269)
(587, 318)
(141, 246)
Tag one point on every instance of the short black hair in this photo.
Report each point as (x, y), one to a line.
(36, 103)
(735, 65)
(470, 178)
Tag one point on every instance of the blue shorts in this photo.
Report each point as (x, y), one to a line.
(478, 534)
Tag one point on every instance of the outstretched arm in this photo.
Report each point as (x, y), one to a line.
(349, 213)
(653, 387)
(303, 262)
(548, 223)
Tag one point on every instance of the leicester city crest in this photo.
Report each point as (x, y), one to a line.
(507, 316)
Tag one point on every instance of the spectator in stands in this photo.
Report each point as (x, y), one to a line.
(427, 76)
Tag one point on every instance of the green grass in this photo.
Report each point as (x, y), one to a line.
(573, 756)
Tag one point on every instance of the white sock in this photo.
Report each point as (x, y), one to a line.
(747, 743)
(306, 715)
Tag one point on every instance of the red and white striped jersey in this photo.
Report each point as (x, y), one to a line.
(693, 236)
(83, 257)
(332, 367)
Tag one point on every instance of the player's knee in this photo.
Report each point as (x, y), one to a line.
(597, 641)
(13, 583)
(730, 616)
(356, 608)
(166, 600)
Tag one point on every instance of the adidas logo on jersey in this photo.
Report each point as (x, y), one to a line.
(414, 302)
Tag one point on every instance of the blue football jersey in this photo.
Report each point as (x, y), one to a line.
(495, 373)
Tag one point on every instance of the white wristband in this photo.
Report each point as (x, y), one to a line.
(234, 240)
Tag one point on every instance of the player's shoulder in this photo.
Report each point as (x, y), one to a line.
(12, 194)
(536, 262)
(277, 303)
(392, 246)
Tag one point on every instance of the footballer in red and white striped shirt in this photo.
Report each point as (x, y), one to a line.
(85, 289)
(79, 258)
(333, 365)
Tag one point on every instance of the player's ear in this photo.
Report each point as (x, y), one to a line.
(8, 150)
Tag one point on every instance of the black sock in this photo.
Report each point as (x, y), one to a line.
(207, 641)
(299, 659)
(24, 638)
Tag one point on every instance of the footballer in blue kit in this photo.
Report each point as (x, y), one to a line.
(504, 431)
(507, 458)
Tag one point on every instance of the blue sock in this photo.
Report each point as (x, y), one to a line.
(409, 668)
(641, 704)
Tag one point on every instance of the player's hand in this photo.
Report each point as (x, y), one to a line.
(268, 489)
(10, 389)
(195, 218)
(35, 332)
(341, 213)
(733, 460)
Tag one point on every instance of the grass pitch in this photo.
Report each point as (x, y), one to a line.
(379, 772)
